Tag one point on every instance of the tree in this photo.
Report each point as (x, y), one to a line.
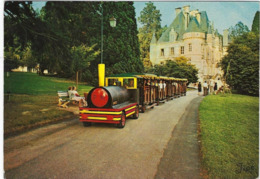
(238, 30)
(255, 25)
(27, 58)
(243, 62)
(81, 58)
(180, 68)
(150, 18)
(62, 26)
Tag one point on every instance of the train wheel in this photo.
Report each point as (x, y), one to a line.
(86, 124)
(122, 121)
(143, 109)
(136, 114)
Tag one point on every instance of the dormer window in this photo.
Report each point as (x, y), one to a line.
(173, 35)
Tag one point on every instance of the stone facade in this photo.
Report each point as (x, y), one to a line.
(193, 36)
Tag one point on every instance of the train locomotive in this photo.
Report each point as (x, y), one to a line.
(124, 95)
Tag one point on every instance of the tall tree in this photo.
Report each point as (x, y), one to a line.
(72, 24)
(255, 25)
(150, 19)
(20, 28)
(241, 64)
(63, 26)
(238, 30)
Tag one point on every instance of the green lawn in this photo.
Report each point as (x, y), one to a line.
(33, 101)
(230, 136)
(33, 84)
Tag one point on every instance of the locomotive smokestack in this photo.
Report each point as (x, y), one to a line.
(101, 75)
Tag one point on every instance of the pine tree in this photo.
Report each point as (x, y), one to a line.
(255, 25)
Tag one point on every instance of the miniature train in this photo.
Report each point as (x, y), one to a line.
(123, 95)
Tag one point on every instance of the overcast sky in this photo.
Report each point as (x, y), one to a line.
(223, 14)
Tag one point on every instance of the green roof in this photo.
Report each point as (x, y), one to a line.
(178, 25)
(126, 75)
(204, 21)
(193, 26)
(209, 30)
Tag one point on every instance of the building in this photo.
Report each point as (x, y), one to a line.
(193, 36)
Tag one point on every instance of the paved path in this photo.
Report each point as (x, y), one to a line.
(100, 151)
(181, 157)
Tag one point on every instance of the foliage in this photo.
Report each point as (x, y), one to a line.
(238, 30)
(180, 68)
(255, 25)
(229, 136)
(121, 45)
(28, 58)
(150, 18)
(12, 55)
(20, 21)
(81, 57)
(61, 26)
(243, 58)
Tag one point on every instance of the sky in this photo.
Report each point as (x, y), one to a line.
(223, 14)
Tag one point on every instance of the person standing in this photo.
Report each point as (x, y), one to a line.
(215, 88)
(199, 88)
(205, 88)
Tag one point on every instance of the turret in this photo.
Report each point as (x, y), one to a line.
(153, 53)
(225, 37)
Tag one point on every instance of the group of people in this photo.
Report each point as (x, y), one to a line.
(73, 95)
(211, 88)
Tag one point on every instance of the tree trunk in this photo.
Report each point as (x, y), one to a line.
(77, 78)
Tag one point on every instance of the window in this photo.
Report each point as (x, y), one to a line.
(182, 49)
(172, 50)
(112, 82)
(190, 47)
(162, 52)
(128, 83)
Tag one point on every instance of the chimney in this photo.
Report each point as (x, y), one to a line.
(225, 37)
(186, 9)
(177, 11)
(198, 17)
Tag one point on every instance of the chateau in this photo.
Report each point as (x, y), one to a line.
(193, 36)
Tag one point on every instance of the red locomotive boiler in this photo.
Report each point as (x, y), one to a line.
(110, 104)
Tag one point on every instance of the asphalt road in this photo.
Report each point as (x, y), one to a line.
(181, 157)
(69, 150)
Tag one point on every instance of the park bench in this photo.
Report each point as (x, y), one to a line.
(64, 99)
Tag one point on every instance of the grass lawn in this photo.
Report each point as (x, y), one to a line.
(229, 134)
(33, 100)
(33, 84)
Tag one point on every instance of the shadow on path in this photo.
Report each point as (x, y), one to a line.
(181, 157)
